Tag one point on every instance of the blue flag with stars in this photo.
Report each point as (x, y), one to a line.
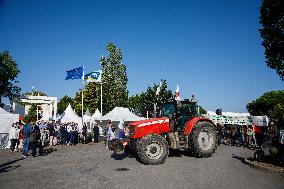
(76, 73)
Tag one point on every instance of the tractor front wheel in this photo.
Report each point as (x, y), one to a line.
(152, 149)
(203, 140)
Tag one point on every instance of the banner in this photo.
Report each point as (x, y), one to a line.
(95, 76)
(76, 73)
(239, 120)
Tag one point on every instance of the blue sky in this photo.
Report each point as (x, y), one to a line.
(209, 48)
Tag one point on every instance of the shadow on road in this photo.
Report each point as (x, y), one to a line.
(6, 167)
(119, 156)
(48, 151)
(180, 153)
(242, 159)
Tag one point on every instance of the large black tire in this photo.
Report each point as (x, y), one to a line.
(152, 150)
(203, 140)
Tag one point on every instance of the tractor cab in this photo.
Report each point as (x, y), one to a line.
(179, 112)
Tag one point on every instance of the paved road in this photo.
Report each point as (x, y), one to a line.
(93, 166)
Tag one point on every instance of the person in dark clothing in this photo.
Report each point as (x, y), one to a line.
(76, 135)
(52, 134)
(219, 133)
(96, 132)
(84, 133)
(35, 140)
(63, 135)
(72, 136)
(233, 136)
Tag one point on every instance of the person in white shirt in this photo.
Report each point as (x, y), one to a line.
(13, 135)
(42, 128)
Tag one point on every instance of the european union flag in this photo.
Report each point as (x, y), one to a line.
(76, 73)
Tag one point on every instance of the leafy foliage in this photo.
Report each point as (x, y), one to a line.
(35, 93)
(270, 104)
(91, 99)
(63, 103)
(8, 73)
(33, 112)
(114, 79)
(272, 32)
(141, 103)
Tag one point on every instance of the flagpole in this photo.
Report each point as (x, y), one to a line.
(101, 98)
(83, 97)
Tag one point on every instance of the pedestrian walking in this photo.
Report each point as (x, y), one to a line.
(96, 132)
(34, 139)
(13, 135)
(52, 134)
(27, 129)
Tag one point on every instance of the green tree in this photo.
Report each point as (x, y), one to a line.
(8, 73)
(32, 113)
(114, 79)
(34, 93)
(141, 103)
(270, 104)
(91, 99)
(63, 103)
(272, 32)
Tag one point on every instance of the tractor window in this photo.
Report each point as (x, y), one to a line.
(188, 109)
(185, 110)
(167, 110)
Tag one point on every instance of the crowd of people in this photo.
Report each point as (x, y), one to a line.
(244, 135)
(38, 135)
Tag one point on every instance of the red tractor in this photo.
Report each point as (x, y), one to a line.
(178, 127)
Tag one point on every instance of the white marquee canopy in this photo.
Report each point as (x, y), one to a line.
(121, 114)
(6, 121)
(70, 116)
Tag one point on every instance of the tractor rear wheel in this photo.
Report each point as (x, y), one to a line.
(152, 149)
(203, 140)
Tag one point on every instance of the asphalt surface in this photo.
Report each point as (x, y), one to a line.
(93, 166)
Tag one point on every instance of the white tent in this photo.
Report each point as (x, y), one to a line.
(96, 116)
(87, 116)
(119, 114)
(70, 116)
(6, 121)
